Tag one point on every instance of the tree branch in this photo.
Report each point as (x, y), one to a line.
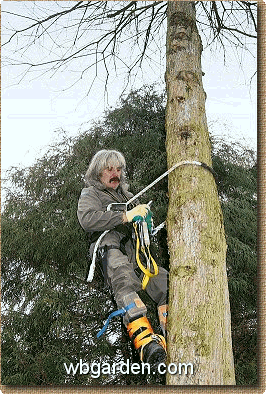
(110, 30)
(122, 10)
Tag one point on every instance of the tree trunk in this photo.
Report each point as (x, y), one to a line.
(199, 322)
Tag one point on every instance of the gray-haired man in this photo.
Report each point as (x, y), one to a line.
(106, 184)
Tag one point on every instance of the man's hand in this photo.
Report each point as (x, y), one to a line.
(139, 210)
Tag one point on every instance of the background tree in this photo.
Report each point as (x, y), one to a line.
(51, 315)
(237, 168)
(195, 226)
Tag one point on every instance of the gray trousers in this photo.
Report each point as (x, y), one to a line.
(125, 283)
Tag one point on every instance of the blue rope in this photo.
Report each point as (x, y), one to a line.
(119, 312)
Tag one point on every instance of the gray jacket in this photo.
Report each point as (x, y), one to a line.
(93, 216)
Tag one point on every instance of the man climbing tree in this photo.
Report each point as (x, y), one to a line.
(199, 312)
(106, 184)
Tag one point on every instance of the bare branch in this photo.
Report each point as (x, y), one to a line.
(122, 10)
(59, 14)
(101, 30)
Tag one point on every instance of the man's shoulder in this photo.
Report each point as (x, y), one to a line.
(88, 191)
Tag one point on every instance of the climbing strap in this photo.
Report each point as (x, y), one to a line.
(143, 246)
(119, 312)
(179, 164)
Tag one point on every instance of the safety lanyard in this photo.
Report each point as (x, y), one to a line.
(142, 246)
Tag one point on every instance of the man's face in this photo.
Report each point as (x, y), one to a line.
(110, 176)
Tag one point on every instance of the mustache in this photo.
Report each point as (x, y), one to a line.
(115, 179)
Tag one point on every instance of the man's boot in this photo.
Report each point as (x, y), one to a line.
(162, 314)
(151, 346)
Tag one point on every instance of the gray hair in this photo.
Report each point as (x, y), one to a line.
(103, 159)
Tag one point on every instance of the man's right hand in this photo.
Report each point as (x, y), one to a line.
(139, 210)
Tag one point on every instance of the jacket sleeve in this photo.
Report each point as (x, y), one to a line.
(92, 216)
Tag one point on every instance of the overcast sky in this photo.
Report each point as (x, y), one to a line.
(32, 111)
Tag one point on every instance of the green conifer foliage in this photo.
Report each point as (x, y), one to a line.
(237, 169)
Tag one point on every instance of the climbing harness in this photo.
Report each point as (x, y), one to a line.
(123, 206)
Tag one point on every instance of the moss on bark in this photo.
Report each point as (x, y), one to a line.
(199, 328)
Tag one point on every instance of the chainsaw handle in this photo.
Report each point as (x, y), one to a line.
(117, 206)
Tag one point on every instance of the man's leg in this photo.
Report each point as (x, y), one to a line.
(125, 285)
(157, 288)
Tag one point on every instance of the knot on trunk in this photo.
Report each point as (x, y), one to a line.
(189, 77)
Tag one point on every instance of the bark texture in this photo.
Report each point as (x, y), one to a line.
(199, 322)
